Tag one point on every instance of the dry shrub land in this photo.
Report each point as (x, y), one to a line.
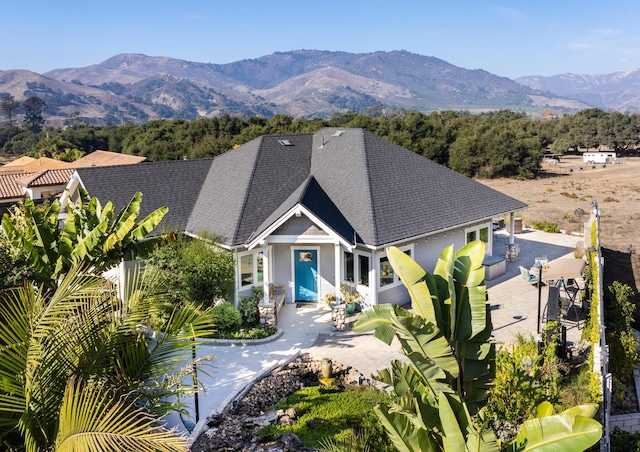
(562, 189)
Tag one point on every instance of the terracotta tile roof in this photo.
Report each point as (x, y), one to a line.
(105, 158)
(41, 164)
(46, 178)
(9, 188)
(19, 161)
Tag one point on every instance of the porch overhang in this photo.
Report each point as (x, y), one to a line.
(297, 211)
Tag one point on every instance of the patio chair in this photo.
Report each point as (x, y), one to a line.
(528, 276)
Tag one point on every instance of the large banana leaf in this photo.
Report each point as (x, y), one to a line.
(477, 362)
(468, 313)
(422, 342)
(454, 424)
(402, 433)
(133, 208)
(413, 390)
(459, 432)
(149, 223)
(412, 275)
(120, 233)
(570, 431)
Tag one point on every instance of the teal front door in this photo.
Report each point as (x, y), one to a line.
(306, 274)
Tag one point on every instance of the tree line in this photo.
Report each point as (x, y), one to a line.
(497, 144)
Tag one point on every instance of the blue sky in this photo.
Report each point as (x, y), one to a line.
(506, 38)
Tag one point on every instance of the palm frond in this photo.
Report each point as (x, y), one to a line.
(91, 419)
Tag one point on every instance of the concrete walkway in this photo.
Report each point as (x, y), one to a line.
(514, 304)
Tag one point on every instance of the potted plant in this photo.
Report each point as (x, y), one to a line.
(350, 296)
(329, 299)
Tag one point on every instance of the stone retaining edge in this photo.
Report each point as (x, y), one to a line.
(243, 342)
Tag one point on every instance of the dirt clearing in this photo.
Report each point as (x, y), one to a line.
(564, 190)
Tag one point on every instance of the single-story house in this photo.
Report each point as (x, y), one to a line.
(312, 211)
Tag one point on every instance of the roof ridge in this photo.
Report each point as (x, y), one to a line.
(372, 207)
(259, 150)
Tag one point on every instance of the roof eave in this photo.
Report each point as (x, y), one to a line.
(296, 210)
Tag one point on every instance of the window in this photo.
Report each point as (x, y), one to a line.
(363, 270)
(348, 270)
(246, 270)
(386, 272)
(260, 267)
(387, 275)
(251, 269)
(479, 233)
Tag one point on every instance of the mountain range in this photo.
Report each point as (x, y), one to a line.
(304, 83)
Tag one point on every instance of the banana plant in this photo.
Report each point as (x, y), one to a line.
(90, 235)
(449, 365)
(451, 301)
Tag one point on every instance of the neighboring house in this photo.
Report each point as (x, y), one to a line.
(15, 175)
(44, 184)
(31, 165)
(105, 158)
(44, 177)
(313, 211)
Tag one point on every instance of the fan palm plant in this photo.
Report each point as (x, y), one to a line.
(79, 372)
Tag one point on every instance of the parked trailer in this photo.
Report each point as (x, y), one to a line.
(599, 157)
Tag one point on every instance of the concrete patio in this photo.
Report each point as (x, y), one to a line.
(514, 301)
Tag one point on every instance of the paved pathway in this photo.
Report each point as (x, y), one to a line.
(514, 305)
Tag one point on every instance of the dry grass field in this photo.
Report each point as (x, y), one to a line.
(570, 185)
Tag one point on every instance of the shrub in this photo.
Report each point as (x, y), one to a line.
(546, 226)
(622, 441)
(623, 346)
(207, 272)
(524, 379)
(249, 307)
(227, 318)
(193, 270)
(13, 270)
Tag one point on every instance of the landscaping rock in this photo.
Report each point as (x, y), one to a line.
(237, 427)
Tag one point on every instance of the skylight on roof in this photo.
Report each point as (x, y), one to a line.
(285, 142)
(337, 133)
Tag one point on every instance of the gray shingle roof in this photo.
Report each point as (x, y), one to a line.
(245, 186)
(175, 184)
(311, 195)
(353, 180)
